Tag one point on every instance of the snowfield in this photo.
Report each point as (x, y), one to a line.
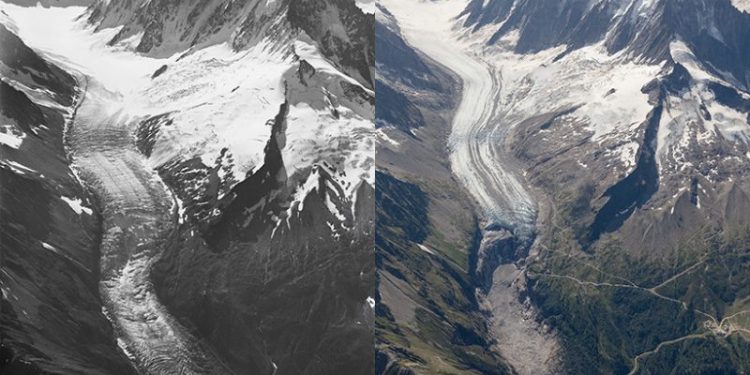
(206, 95)
(367, 6)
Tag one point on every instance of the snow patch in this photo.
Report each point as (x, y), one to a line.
(334, 209)
(11, 136)
(17, 167)
(50, 247)
(425, 249)
(627, 154)
(77, 205)
(385, 138)
(742, 5)
(367, 6)
(298, 198)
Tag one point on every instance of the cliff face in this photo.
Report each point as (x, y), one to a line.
(52, 319)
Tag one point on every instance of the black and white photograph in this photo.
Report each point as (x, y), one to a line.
(375, 187)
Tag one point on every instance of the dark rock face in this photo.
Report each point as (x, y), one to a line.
(256, 193)
(148, 131)
(394, 108)
(18, 106)
(544, 24)
(266, 292)
(726, 52)
(636, 189)
(400, 67)
(20, 59)
(353, 50)
(159, 71)
(385, 364)
(401, 205)
(729, 97)
(298, 290)
(171, 26)
(51, 319)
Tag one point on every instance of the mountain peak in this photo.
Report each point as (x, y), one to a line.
(716, 31)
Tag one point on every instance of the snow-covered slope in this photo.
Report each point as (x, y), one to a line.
(204, 97)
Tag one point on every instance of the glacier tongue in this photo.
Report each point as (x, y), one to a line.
(479, 158)
(201, 100)
(475, 140)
